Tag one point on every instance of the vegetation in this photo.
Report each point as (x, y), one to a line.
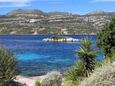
(106, 40)
(8, 69)
(37, 83)
(59, 37)
(73, 75)
(52, 79)
(87, 56)
(85, 65)
(102, 76)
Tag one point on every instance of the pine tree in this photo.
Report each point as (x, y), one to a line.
(106, 39)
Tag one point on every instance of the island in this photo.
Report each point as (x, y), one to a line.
(59, 38)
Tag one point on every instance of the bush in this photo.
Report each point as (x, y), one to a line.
(103, 76)
(8, 69)
(106, 40)
(59, 37)
(37, 83)
(74, 73)
(52, 79)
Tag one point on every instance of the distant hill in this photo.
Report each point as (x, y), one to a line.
(59, 14)
(101, 13)
(22, 11)
(33, 21)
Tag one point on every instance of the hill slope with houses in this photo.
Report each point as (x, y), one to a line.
(33, 21)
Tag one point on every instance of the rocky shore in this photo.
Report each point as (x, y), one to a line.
(61, 39)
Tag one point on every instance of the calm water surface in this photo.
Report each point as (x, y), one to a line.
(36, 57)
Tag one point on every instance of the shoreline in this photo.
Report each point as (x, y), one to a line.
(46, 34)
(29, 81)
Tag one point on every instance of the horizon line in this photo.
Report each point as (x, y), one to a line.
(74, 13)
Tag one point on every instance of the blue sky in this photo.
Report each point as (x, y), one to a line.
(73, 6)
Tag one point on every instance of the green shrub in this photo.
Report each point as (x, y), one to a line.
(74, 73)
(106, 40)
(59, 37)
(37, 83)
(8, 69)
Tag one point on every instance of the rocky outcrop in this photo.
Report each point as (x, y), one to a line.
(61, 40)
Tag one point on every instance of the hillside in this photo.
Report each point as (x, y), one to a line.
(102, 13)
(33, 21)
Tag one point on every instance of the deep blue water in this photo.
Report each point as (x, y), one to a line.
(36, 57)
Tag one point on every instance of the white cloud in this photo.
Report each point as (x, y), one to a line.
(15, 3)
(103, 1)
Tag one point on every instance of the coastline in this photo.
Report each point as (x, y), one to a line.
(48, 34)
(29, 81)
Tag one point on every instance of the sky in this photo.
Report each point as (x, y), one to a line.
(72, 6)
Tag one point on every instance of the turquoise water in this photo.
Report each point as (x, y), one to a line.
(36, 57)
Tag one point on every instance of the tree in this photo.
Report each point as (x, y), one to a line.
(88, 57)
(106, 39)
(8, 69)
(84, 65)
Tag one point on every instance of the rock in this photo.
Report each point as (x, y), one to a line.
(61, 40)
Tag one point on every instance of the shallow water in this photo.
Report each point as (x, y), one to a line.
(36, 57)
